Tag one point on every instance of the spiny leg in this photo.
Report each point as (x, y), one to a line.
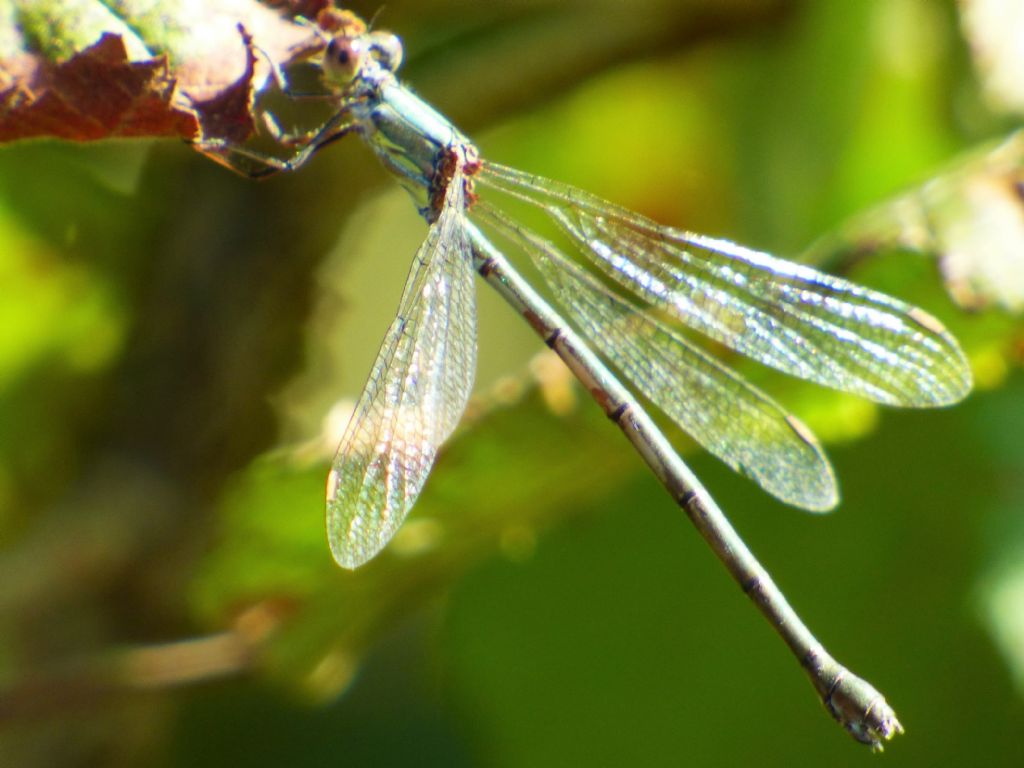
(228, 154)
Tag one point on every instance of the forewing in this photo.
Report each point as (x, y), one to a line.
(785, 315)
(728, 416)
(414, 398)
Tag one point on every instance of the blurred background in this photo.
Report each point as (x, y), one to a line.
(179, 348)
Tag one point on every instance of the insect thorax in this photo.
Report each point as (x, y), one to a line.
(415, 143)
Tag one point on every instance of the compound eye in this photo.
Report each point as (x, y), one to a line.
(386, 48)
(343, 58)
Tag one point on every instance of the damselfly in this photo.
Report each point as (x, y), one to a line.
(788, 316)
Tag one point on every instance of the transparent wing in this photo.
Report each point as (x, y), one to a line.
(785, 315)
(728, 416)
(414, 398)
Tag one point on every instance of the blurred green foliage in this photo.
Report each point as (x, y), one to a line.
(173, 339)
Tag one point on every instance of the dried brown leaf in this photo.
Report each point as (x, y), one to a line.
(97, 94)
(149, 75)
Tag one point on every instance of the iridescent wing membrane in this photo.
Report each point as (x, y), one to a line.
(415, 395)
(791, 317)
(788, 316)
(731, 418)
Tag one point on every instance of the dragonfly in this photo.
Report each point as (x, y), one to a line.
(641, 283)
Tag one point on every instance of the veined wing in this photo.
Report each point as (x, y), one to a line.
(785, 315)
(728, 416)
(415, 396)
